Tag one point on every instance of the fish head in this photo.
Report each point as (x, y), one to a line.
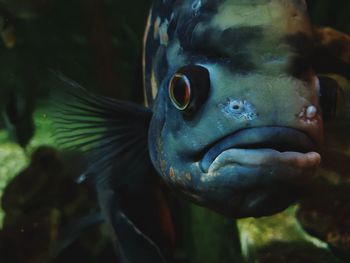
(237, 122)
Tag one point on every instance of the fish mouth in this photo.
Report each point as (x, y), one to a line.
(262, 146)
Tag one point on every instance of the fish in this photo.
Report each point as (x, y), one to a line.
(233, 118)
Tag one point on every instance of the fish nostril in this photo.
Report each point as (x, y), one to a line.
(235, 107)
(239, 109)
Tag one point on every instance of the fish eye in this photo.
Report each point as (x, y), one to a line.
(189, 88)
(329, 90)
(180, 91)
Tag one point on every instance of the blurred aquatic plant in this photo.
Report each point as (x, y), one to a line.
(12, 161)
(13, 158)
(257, 233)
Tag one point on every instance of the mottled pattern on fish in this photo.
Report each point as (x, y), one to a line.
(258, 58)
(227, 32)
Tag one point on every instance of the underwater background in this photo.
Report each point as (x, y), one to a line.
(46, 216)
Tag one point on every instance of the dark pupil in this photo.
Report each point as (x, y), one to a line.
(180, 91)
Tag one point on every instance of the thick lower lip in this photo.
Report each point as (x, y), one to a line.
(262, 146)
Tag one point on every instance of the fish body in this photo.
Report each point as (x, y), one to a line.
(233, 117)
(252, 142)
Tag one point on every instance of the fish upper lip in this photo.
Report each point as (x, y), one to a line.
(281, 139)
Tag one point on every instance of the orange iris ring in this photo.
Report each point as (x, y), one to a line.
(188, 94)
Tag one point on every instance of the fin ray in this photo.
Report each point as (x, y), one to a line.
(113, 136)
(101, 128)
